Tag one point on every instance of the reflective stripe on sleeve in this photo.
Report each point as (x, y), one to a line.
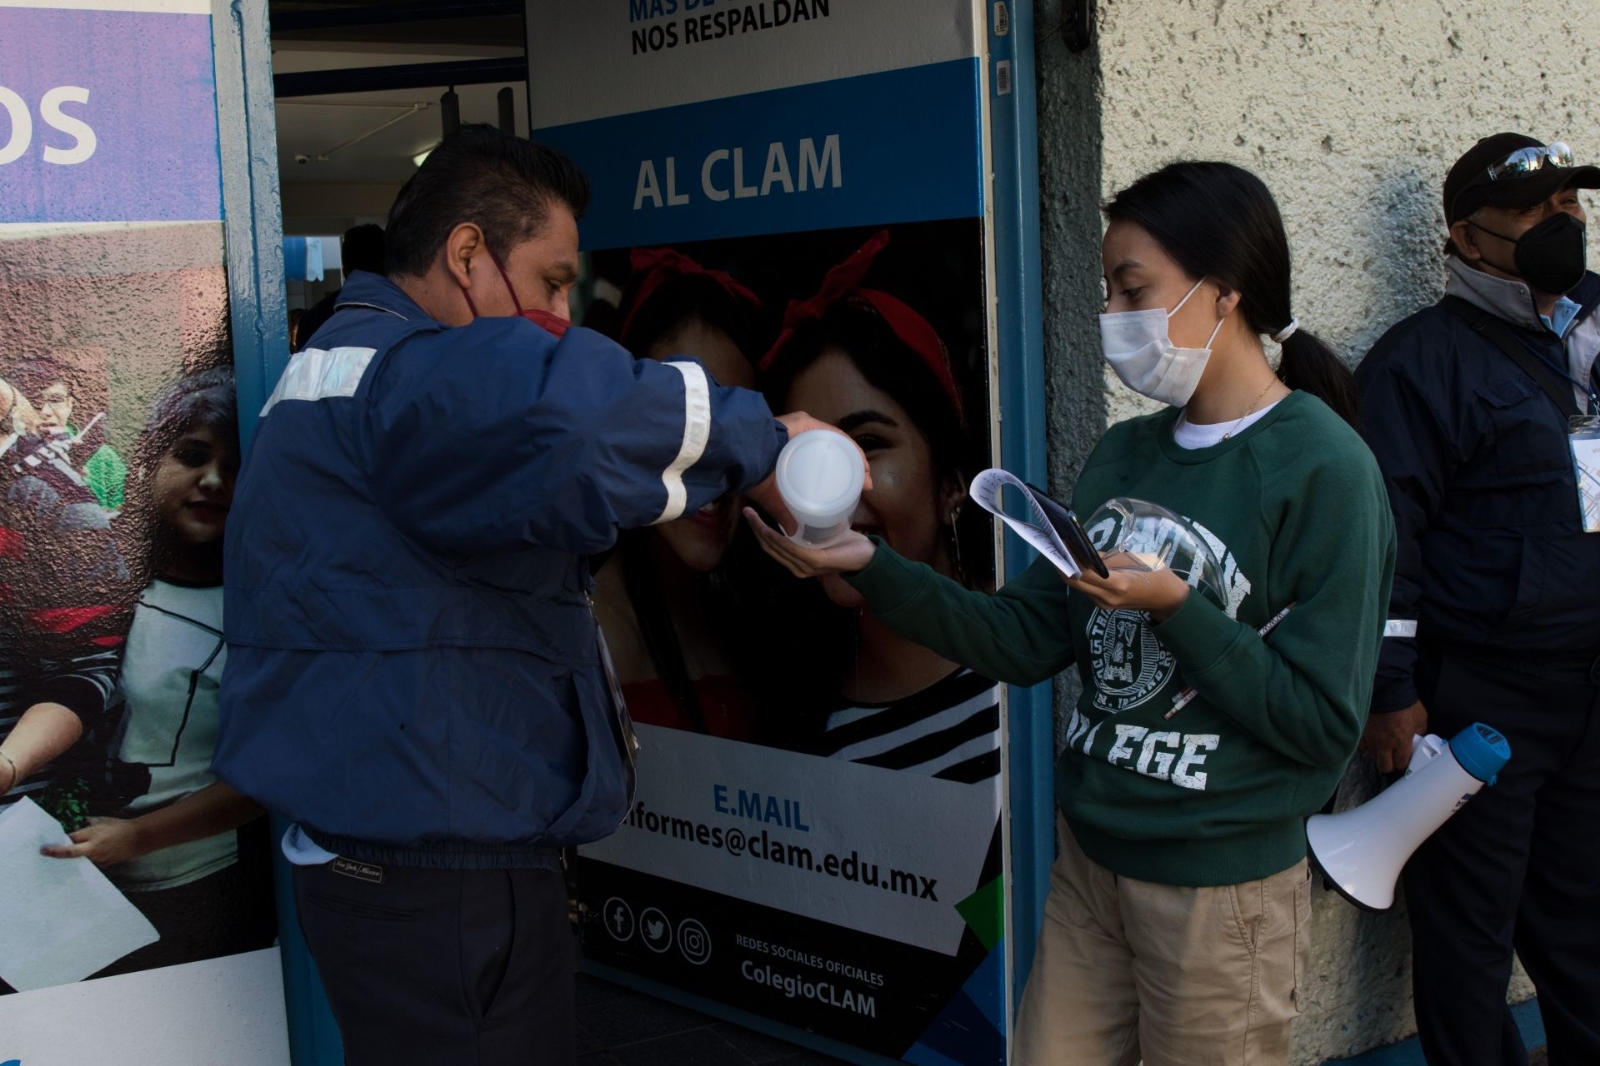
(696, 435)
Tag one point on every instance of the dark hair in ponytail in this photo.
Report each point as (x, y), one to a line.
(1220, 221)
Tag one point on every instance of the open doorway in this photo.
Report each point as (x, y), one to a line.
(363, 93)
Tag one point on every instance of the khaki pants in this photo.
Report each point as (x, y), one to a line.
(1176, 976)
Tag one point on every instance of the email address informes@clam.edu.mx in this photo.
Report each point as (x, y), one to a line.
(762, 846)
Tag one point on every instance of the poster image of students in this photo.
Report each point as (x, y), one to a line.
(57, 391)
(876, 368)
(176, 848)
(114, 285)
(816, 737)
(666, 594)
(829, 855)
(119, 853)
(62, 616)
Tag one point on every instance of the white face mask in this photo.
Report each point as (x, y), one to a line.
(1136, 345)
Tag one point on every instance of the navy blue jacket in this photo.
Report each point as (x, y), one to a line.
(1479, 472)
(413, 672)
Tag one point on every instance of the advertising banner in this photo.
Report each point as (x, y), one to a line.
(793, 192)
(109, 113)
(136, 910)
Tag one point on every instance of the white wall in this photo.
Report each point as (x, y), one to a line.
(1351, 111)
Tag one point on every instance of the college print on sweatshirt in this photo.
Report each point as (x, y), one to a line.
(1131, 668)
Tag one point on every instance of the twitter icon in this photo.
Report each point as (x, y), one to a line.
(655, 930)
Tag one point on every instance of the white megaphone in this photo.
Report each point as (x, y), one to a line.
(1363, 850)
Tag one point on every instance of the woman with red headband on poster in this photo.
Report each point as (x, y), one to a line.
(663, 595)
(865, 361)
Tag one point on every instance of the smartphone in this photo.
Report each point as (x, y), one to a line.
(1070, 530)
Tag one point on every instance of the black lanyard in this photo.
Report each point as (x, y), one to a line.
(1518, 351)
(1544, 358)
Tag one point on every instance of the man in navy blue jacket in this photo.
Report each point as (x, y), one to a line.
(414, 674)
(1495, 614)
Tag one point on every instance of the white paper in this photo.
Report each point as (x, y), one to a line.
(985, 492)
(60, 919)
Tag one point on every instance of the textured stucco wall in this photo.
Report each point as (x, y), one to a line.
(1351, 111)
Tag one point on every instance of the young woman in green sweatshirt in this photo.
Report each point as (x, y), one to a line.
(1177, 925)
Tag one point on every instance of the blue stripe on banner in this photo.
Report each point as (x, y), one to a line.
(901, 146)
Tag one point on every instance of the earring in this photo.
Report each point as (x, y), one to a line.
(955, 545)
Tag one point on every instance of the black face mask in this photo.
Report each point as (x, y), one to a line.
(1550, 256)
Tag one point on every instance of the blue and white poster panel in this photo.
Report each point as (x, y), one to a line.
(136, 910)
(793, 191)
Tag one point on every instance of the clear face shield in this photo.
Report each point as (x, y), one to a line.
(1137, 534)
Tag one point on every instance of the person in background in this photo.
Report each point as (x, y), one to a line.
(61, 620)
(1177, 928)
(873, 366)
(361, 249)
(1496, 609)
(415, 677)
(174, 849)
(47, 384)
(664, 598)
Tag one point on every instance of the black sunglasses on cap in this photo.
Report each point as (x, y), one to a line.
(1525, 161)
(1511, 170)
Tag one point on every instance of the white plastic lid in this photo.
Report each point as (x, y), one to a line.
(820, 476)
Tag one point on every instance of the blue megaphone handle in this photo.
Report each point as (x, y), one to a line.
(1481, 751)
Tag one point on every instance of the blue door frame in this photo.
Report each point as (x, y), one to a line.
(259, 318)
(1014, 145)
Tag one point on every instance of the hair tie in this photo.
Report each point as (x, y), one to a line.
(659, 265)
(1287, 331)
(842, 284)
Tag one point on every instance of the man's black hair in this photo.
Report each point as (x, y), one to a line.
(504, 184)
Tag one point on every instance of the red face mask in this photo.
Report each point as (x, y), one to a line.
(554, 324)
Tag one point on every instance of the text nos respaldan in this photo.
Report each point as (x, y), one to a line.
(709, 25)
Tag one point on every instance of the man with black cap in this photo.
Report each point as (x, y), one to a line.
(1495, 614)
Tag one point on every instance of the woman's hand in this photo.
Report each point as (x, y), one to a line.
(850, 553)
(1133, 587)
(106, 842)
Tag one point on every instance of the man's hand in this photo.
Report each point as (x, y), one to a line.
(1387, 737)
(850, 553)
(766, 493)
(799, 422)
(106, 842)
(1133, 587)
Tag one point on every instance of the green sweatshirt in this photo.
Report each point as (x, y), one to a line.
(1296, 511)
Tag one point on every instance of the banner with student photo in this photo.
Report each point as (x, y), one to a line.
(793, 193)
(120, 855)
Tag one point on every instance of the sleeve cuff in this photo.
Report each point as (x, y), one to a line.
(767, 464)
(1198, 634)
(79, 695)
(889, 581)
(1394, 696)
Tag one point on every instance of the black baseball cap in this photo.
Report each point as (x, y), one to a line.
(1465, 191)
